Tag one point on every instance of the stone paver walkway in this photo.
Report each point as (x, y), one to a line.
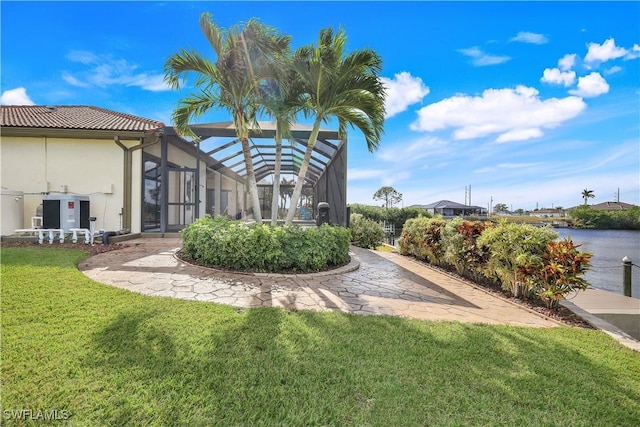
(384, 283)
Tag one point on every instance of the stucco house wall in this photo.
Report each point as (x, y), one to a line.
(76, 150)
(36, 165)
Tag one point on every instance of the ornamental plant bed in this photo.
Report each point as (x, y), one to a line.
(561, 314)
(234, 245)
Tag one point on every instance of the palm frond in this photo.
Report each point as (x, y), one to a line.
(192, 107)
(180, 65)
(213, 33)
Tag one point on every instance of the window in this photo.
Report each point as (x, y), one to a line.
(151, 198)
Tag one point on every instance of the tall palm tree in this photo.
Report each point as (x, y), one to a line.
(338, 85)
(279, 96)
(243, 58)
(586, 195)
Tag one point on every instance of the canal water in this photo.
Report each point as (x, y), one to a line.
(608, 248)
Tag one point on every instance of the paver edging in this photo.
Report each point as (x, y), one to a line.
(481, 289)
(353, 265)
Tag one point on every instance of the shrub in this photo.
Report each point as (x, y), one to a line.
(422, 238)
(365, 232)
(558, 272)
(512, 246)
(221, 242)
(397, 216)
(524, 259)
(461, 249)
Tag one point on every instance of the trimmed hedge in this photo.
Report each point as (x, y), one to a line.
(235, 245)
(397, 216)
(526, 260)
(366, 233)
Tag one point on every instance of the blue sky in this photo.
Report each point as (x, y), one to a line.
(526, 103)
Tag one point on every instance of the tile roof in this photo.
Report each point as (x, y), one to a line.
(78, 117)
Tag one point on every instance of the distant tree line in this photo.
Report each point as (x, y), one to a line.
(587, 217)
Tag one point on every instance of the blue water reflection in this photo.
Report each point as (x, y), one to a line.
(608, 248)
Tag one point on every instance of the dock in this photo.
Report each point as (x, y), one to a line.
(614, 314)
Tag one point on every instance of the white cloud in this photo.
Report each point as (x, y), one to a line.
(403, 90)
(480, 58)
(527, 37)
(153, 83)
(507, 166)
(364, 174)
(590, 86)
(73, 81)
(391, 179)
(513, 114)
(428, 143)
(567, 62)
(105, 71)
(633, 53)
(520, 135)
(555, 76)
(82, 56)
(17, 96)
(413, 151)
(604, 52)
(613, 70)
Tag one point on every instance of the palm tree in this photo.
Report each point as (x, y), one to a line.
(279, 97)
(286, 192)
(244, 55)
(335, 85)
(586, 195)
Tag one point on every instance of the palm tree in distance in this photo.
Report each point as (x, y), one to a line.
(586, 195)
(278, 97)
(244, 55)
(286, 192)
(335, 85)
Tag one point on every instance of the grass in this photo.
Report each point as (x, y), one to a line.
(107, 356)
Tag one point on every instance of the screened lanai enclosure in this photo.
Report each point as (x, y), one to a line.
(223, 182)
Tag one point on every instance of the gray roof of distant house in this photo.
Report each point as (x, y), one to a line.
(75, 117)
(446, 204)
(612, 206)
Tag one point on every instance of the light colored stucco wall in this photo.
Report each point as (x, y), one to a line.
(90, 167)
(136, 191)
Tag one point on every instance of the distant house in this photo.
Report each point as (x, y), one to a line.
(608, 206)
(549, 213)
(449, 209)
(612, 206)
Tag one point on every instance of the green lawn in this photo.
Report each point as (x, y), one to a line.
(110, 357)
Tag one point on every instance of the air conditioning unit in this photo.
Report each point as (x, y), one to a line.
(65, 211)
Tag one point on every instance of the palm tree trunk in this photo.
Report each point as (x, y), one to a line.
(251, 180)
(295, 197)
(276, 179)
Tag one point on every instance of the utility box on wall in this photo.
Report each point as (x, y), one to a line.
(65, 211)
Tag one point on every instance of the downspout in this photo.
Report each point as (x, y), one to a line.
(197, 183)
(127, 179)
